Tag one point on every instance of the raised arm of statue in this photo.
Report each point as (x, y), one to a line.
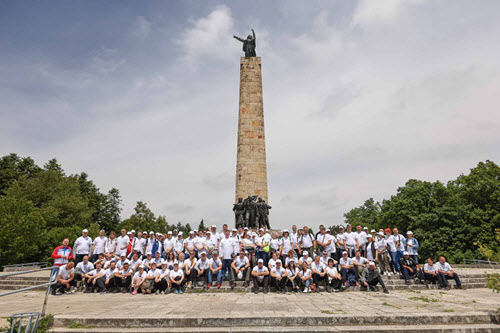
(238, 38)
(253, 33)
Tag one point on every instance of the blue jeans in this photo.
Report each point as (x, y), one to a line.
(219, 276)
(226, 267)
(263, 255)
(395, 260)
(399, 255)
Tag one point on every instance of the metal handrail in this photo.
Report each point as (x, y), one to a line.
(52, 279)
(42, 264)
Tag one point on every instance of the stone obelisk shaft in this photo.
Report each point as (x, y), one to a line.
(251, 169)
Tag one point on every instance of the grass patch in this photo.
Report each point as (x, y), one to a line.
(449, 310)
(423, 299)
(327, 312)
(79, 325)
(413, 291)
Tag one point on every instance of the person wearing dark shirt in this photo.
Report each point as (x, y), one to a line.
(410, 269)
(371, 277)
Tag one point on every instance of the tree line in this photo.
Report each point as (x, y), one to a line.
(456, 219)
(39, 206)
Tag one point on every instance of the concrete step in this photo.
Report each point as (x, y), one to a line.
(225, 288)
(464, 328)
(410, 321)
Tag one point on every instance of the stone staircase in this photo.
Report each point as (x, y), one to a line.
(392, 282)
(480, 322)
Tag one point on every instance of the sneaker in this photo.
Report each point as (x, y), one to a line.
(176, 291)
(448, 287)
(255, 291)
(181, 292)
(134, 292)
(407, 282)
(266, 290)
(386, 291)
(157, 292)
(209, 285)
(218, 285)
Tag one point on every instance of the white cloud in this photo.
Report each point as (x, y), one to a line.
(369, 11)
(142, 27)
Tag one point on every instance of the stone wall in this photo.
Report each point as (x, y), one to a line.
(251, 169)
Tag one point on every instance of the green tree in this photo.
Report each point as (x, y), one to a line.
(112, 209)
(13, 167)
(201, 226)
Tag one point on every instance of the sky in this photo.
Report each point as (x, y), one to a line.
(359, 97)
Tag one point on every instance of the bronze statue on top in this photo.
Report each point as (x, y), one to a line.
(249, 45)
(253, 212)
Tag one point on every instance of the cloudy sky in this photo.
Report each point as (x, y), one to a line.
(359, 97)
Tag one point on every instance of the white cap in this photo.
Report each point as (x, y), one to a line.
(371, 263)
(245, 228)
(278, 261)
(365, 228)
(328, 230)
(341, 227)
(409, 233)
(373, 230)
(381, 233)
(305, 253)
(261, 229)
(203, 253)
(85, 230)
(344, 252)
(141, 266)
(151, 233)
(176, 262)
(163, 262)
(132, 231)
(191, 232)
(123, 254)
(406, 253)
(158, 234)
(129, 233)
(180, 233)
(149, 252)
(214, 226)
(158, 251)
(285, 230)
(195, 230)
(260, 261)
(169, 233)
(368, 236)
(235, 230)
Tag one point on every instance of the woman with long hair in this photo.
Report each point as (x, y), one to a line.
(292, 279)
(110, 244)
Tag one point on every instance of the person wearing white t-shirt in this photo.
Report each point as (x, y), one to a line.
(140, 243)
(169, 243)
(322, 241)
(371, 248)
(260, 277)
(318, 272)
(95, 279)
(202, 267)
(189, 270)
(177, 279)
(399, 241)
(199, 245)
(383, 254)
(278, 277)
(286, 244)
(240, 269)
(272, 262)
(347, 269)
(341, 242)
(446, 272)
(305, 276)
(330, 244)
(82, 246)
(334, 279)
(325, 258)
(306, 241)
(161, 281)
(215, 269)
(65, 278)
(361, 240)
(226, 248)
(138, 279)
(292, 278)
(431, 273)
(305, 259)
(99, 245)
(274, 243)
(179, 244)
(359, 263)
(110, 245)
(350, 241)
(124, 277)
(122, 243)
(290, 257)
(135, 262)
(147, 261)
(122, 261)
(111, 282)
(261, 246)
(150, 279)
(83, 268)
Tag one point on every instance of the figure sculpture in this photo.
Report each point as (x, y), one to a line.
(253, 212)
(249, 45)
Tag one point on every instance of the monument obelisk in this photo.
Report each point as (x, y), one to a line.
(251, 168)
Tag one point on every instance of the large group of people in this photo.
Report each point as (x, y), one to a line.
(295, 261)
